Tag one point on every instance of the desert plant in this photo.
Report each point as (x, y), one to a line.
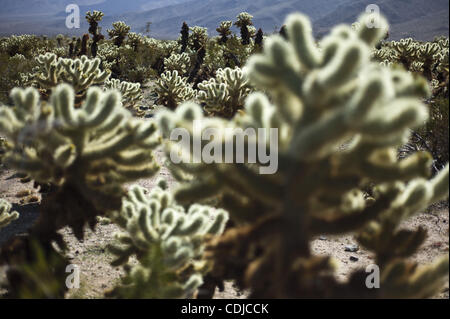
(93, 19)
(6, 216)
(224, 31)
(130, 92)
(178, 62)
(172, 89)
(225, 94)
(167, 241)
(405, 51)
(119, 32)
(184, 41)
(80, 73)
(244, 20)
(259, 38)
(198, 37)
(319, 100)
(87, 153)
(425, 54)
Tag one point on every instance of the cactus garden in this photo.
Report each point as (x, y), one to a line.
(88, 177)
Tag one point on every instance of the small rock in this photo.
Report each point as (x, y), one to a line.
(352, 248)
(353, 258)
(323, 237)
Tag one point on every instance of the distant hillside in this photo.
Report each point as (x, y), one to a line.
(421, 19)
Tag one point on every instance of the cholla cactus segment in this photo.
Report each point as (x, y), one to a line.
(88, 153)
(178, 62)
(225, 94)
(131, 92)
(79, 73)
(172, 89)
(6, 216)
(119, 32)
(319, 99)
(167, 241)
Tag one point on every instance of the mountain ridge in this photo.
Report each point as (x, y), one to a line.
(421, 19)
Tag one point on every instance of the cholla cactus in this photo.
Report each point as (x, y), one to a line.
(214, 58)
(244, 21)
(224, 31)
(119, 32)
(225, 94)
(80, 73)
(405, 51)
(131, 93)
(178, 62)
(198, 37)
(381, 54)
(167, 241)
(60, 40)
(109, 54)
(251, 31)
(23, 44)
(93, 19)
(243, 18)
(259, 38)
(87, 153)
(6, 216)
(319, 100)
(173, 89)
(135, 40)
(443, 57)
(425, 54)
(416, 67)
